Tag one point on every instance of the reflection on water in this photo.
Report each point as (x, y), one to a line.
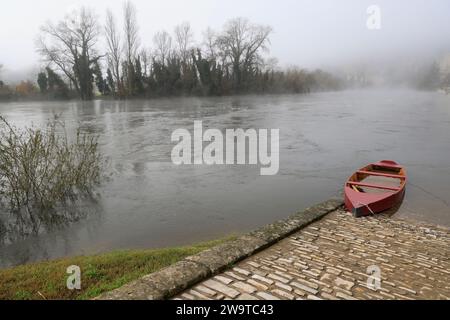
(323, 138)
(17, 225)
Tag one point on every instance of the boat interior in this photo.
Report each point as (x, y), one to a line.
(378, 179)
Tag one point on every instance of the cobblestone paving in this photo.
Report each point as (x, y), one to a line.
(330, 260)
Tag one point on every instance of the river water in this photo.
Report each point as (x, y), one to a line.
(324, 137)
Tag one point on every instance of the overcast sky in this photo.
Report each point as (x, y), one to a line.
(309, 33)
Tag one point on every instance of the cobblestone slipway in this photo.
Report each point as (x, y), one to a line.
(338, 257)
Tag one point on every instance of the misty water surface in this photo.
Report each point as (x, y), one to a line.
(324, 137)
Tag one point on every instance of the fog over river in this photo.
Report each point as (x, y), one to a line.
(149, 202)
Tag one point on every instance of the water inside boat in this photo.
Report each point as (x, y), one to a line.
(383, 181)
(366, 178)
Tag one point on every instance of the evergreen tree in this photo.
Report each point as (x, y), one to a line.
(130, 77)
(42, 82)
(138, 79)
(99, 81)
(110, 82)
(56, 86)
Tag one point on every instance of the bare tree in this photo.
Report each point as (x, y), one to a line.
(163, 45)
(70, 45)
(131, 31)
(210, 43)
(242, 43)
(131, 46)
(146, 58)
(184, 39)
(270, 64)
(114, 47)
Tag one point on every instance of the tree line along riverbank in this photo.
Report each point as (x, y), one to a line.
(85, 58)
(233, 60)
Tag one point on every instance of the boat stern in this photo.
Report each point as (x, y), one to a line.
(364, 204)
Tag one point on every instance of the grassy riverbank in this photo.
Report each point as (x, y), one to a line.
(99, 273)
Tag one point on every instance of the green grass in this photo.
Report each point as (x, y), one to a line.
(99, 273)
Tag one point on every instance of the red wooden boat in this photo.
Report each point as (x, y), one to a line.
(375, 188)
